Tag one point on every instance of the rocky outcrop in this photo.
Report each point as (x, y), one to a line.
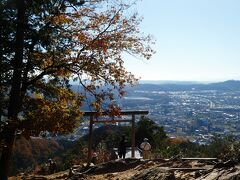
(162, 170)
(157, 169)
(232, 173)
(110, 167)
(154, 173)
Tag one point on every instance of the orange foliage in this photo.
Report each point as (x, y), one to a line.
(65, 40)
(60, 114)
(176, 140)
(30, 153)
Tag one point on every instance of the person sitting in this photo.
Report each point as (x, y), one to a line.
(146, 148)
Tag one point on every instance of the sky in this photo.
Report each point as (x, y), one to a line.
(196, 40)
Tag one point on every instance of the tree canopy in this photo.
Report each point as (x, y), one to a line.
(64, 40)
(46, 44)
(147, 128)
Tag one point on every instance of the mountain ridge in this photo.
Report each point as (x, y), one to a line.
(232, 85)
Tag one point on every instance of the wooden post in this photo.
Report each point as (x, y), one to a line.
(90, 140)
(133, 135)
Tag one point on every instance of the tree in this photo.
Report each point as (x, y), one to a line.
(46, 44)
(147, 128)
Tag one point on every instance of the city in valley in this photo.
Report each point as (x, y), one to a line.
(191, 110)
(194, 111)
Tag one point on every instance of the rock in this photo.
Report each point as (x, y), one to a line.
(179, 164)
(155, 173)
(188, 176)
(109, 176)
(38, 178)
(197, 164)
(226, 164)
(77, 176)
(86, 165)
(145, 165)
(134, 169)
(222, 174)
(231, 176)
(113, 166)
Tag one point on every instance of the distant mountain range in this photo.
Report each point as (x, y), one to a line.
(230, 85)
(171, 82)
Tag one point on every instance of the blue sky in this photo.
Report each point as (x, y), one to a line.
(195, 40)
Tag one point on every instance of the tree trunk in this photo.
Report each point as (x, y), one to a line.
(1, 73)
(15, 102)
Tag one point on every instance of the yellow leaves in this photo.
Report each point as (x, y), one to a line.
(125, 23)
(54, 116)
(101, 45)
(45, 108)
(60, 113)
(175, 141)
(101, 61)
(116, 18)
(61, 19)
(37, 95)
(76, 14)
(43, 60)
(83, 37)
(85, 42)
(37, 55)
(114, 110)
(61, 72)
(86, 11)
(96, 105)
(47, 62)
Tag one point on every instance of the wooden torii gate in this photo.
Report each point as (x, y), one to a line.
(94, 114)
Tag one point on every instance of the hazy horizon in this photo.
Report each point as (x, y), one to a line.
(182, 81)
(149, 81)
